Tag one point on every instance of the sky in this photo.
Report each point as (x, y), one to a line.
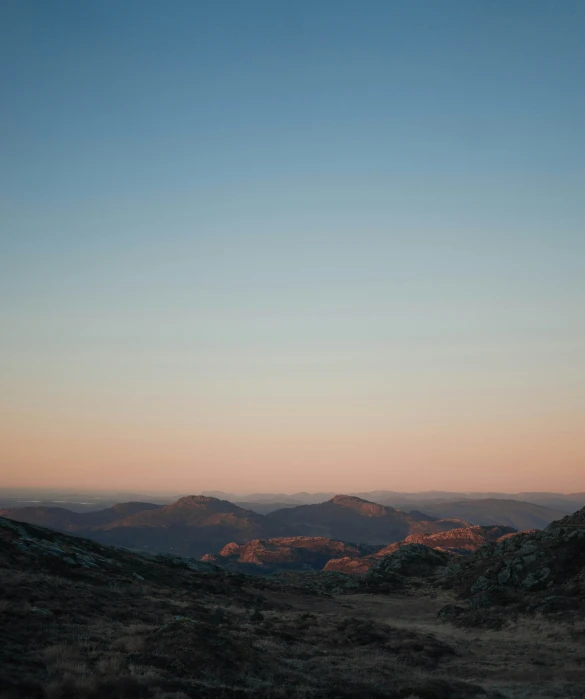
(292, 245)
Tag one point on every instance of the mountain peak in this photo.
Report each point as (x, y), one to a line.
(342, 499)
(196, 499)
(373, 509)
(201, 502)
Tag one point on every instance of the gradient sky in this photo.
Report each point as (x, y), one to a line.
(292, 244)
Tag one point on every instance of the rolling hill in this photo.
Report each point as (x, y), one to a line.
(350, 518)
(68, 521)
(194, 525)
(494, 511)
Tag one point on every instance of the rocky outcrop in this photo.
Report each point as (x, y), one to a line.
(351, 566)
(462, 541)
(410, 560)
(285, 553)
(536, 571)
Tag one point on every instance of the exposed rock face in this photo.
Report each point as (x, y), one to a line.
(353, 519)
(536, 571)
(463, 541)
(399, 559)
(351, 566)
(410, 560)
(297, 553)
(430, 525)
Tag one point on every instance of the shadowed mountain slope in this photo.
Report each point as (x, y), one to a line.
(192, 526)
(67, 520)
(264, 508)
(352, 519)
(493, 511)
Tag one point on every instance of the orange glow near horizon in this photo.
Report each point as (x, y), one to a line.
(505, 456)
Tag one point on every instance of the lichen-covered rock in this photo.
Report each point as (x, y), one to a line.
(540, 571)
(410, 560)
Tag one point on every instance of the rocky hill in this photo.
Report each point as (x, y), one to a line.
(462, 541)
(540, 571)
(350, 518)
(285, 553)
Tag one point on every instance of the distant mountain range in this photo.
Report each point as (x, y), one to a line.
(198, 525)
(264, 503)
(505, 511)
(564, 502)
(511, 513)
(350, 518)
(192, 526)
(69, 521)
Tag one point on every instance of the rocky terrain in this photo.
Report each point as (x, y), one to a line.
(462, 541)
(316, 553)
(85, 621)
(353, 519)
(538, 571)
(297, 553)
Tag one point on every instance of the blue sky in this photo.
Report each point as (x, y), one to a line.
(251, 222)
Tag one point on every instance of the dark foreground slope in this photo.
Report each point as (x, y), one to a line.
(350, 518)
(83, 621)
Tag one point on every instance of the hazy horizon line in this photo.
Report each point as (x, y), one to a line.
(208, 491)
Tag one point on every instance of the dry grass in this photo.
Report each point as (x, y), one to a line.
(202, 636)
(129, 644)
